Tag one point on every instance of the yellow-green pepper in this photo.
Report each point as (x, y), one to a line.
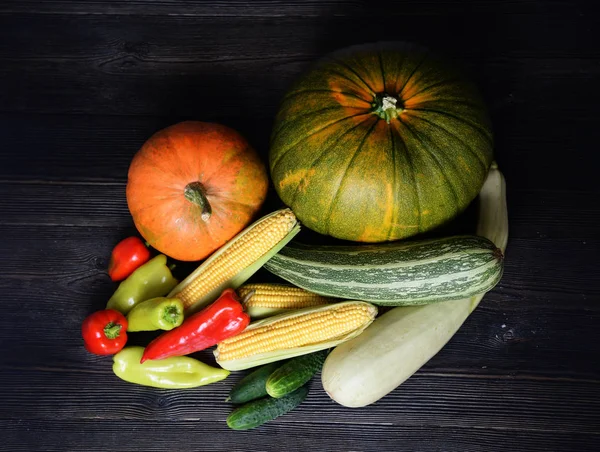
(155, 314)
(177, 372)
(151, 280)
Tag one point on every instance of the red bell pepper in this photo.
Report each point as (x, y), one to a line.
(104, 332)
(126, 257)
(222, 319)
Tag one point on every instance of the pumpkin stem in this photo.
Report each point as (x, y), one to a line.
(386, 107)
(196, 193)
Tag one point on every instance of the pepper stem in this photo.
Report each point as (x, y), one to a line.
(112, 330)
(386, 107)
(171, 314)
(196, 193)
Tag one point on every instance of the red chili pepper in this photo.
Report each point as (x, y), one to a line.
(104, 332)
(126, 257)
(222, 319)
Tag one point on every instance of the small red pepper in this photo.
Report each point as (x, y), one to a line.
(126, 257)
(222, 319)
(104, 332)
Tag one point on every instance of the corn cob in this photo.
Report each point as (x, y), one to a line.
(235, 262)
(297, 333)
(272, 299)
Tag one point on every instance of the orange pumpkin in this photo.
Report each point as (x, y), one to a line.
(193, 186)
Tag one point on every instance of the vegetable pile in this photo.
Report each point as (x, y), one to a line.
(374, 144)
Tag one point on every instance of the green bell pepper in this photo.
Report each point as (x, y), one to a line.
(155, 314)
(151, 280)
(177, 372)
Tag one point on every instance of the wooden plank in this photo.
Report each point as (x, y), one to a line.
(58, 147)
(558, 214)
(79, 255)
(89, 435)
(432, 400)
(530, 313)
(277, 8)
(41, 253)
(65, 204)
(149, 38)
(496, 343)
(215, 89)
(131, 65)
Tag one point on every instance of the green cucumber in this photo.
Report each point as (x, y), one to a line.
(264, 410)
(253, 385)
(400, 273)
(295, 373)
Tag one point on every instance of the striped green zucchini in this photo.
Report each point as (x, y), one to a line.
(398, 343)
(396, 273)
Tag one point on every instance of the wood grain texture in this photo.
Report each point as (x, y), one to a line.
(105, 144)
(100, 435)
(277, 8)
(84, 83)
(544, 214)
(563, 406)
(134, 65)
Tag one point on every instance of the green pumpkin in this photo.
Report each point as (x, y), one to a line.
(380, 142)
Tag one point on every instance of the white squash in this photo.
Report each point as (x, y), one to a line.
(397, 344)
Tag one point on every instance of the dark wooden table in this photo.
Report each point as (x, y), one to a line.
(83, 84)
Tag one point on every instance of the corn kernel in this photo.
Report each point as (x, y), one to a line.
(280, 296)
(286, 332)
(253, 244)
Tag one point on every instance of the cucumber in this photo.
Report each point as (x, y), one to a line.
(253, 385)
(402, 273)
(295, 373)
(398, 343)
(264, 410)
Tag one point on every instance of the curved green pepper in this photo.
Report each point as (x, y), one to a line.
(156, 314)
(177, 372)
(151, 280)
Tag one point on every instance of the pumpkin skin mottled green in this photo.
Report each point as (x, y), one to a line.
(352, 173)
